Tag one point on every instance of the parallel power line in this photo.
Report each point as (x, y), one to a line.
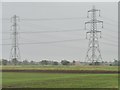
(93, 53)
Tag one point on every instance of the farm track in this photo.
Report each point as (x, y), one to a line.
(66, 71)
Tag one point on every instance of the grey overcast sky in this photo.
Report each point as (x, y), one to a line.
(59, 16)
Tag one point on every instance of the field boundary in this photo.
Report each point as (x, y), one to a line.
(66, 71)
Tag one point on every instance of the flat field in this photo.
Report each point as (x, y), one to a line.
(60, 67)
(59, 80)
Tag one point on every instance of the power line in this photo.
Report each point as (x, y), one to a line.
(110, 44)
(37, 26)
(71, 40)
(62, 41)
(110, 19)
(49, 31)
(63, 18)
(47, 19)
(62, 30)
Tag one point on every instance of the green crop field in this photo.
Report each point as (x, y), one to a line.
(60, 67)
(59, 80)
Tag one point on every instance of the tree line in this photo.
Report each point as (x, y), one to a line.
(48, 62)
(26, 62)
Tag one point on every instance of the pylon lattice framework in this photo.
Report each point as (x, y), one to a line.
(15, 53)
(93, 53)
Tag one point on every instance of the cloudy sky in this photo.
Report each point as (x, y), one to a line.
(55, 31)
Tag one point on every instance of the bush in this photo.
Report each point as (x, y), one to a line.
(65, 62)
(55, 63)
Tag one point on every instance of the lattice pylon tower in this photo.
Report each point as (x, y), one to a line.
(15, 52)
(93, 53)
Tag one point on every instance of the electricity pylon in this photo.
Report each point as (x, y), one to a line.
(15, 53)
(93, 53)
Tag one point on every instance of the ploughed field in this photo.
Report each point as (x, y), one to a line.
(33, 77)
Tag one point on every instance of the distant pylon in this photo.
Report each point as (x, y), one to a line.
(93, 53)
(15, 53)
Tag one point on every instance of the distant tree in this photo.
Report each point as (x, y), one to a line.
(32, 62)
(102, 62)
(9, 62)
(118, 62)
(4, 62)
(19, 63)
(73, 62)
(0, 62)
(106, 62)
(25, 62)
(115, 62)
(14, 61)
(65, 62)
(44, 62)
(95, 63)
(55, 63)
